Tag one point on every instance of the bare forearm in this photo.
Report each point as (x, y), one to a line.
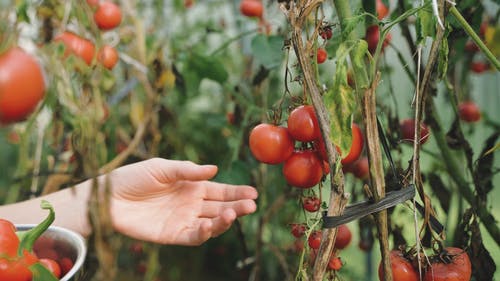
(70, 206)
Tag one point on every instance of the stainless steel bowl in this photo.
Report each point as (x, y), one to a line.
(58, 242)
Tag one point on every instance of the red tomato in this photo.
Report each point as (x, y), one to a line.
(188, 3)
(361, 168)
(314, 240)
(311, 204)
(344, 237)
(335, 263)
(471, 47)
(303, 169)
(108, 56)
(479, 67)
(373, 35)
(356, 146)
(271, 144)
(66, 265)
(321, 55)
(402, 269)
(303, 124)
(326, 33)
(18, 98)
(298, 229)
(52, 266)
(9, 242)
(469, 111)
(382, 10)
(108, 15)
(77, 46)
(407, 128)
(252, 8)
(458, 269)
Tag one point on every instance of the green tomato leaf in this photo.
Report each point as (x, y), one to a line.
(340, 103)
(350, 24)
(41, 273)
(208, 67)
(426, 23)
(29, 237)
(267, 50)
(358, 55)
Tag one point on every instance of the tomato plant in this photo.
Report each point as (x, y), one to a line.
(18, 98)
(271, 144)
(194, 78)
(303, 169)
(108, 15)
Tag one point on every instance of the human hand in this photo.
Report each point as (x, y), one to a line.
(172, 202)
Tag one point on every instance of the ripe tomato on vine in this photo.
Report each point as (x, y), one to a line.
(303, 124)
(22, 85)
(271, 144)
(303, 169)
(108, 15)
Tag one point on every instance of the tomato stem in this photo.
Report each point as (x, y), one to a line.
(29, 237)
(466, 26)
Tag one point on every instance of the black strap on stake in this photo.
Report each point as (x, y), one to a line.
(364, 208)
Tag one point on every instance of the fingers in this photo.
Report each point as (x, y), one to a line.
(214, 227)
(171, 170)
(211, 209)
(227, 192)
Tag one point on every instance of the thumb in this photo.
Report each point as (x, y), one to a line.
(173, 170)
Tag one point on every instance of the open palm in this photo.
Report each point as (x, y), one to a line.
(173, 202)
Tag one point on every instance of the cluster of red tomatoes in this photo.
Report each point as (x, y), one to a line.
(344, 237)
(16, 267)
(305, 166)
(18, 99)
(107, 16)
(453, 264)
